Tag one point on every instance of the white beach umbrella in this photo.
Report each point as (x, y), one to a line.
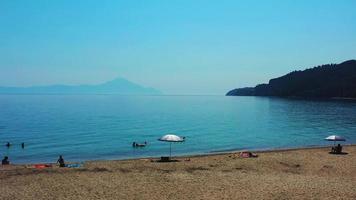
(171, 138)
(335, 138)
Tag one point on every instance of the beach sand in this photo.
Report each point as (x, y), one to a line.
(286, 174)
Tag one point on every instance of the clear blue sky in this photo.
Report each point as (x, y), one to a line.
(178, 47)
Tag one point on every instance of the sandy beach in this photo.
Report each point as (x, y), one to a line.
(285, 174)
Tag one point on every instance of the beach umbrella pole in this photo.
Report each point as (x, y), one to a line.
(171, 138)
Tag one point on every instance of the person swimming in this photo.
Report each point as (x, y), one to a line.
(135, 144)
(61, 161)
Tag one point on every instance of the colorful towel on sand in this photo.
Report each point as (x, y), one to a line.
(42, 166)
(74, 165)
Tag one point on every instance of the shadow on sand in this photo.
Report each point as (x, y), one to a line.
(342, 153)
(165, 161)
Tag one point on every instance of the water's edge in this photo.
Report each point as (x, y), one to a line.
(212, 153)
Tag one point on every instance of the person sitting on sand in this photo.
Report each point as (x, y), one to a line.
(5, 161)
(338, 148)
(333, 149)
(61, 161)
(247, 154)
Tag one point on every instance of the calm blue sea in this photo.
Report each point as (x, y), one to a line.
(91, 127)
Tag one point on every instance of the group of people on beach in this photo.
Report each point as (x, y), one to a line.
(5, 160)
(60, 161)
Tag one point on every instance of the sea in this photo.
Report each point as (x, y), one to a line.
(103, 127)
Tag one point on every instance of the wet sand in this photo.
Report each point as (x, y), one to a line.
(286, 174)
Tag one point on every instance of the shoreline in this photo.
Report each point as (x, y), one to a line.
(353, 99)
(213, 153)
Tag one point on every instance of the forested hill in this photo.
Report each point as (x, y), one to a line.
(332, 80)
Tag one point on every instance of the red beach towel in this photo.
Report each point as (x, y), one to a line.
(42, 166)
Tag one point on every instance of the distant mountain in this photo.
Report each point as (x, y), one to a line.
(117, 86)
(332, 80)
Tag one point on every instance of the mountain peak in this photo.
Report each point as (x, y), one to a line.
(119, 86)
(118, 80)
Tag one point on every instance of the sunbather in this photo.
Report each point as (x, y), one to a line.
(247, 154)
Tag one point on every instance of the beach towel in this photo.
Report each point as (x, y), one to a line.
(42, 166)
(74, 165)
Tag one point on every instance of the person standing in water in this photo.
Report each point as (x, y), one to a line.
(61, 161)
(8, 145)
(23, 145)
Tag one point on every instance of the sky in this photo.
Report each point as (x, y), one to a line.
(178, 46)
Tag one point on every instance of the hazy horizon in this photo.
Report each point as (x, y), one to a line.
(177, 47)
